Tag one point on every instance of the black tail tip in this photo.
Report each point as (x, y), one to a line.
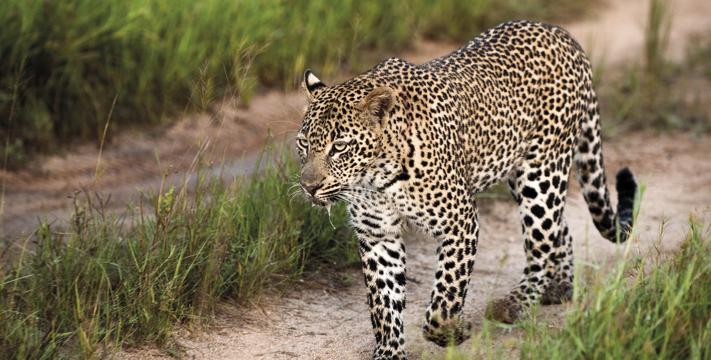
(626, 183)
(626, 189)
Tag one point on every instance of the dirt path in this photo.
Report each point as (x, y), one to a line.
(315, 324)
(130, 160)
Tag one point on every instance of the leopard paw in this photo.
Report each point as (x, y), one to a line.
(557, 294)
(505, 310)
(387, 352)
(454, 331)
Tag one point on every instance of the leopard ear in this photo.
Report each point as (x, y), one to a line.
(377, 105)
(312, 85)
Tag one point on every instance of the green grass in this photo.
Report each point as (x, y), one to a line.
(652, 305)
(65, 61)
(110, 280)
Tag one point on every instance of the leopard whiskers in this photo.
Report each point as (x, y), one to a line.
(352, 198)
(361, 188)
(294, 186)
(294, 191)
(372, 196)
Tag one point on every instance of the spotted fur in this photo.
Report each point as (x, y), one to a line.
(408, 145)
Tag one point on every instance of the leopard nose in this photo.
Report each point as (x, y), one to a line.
(311, 189)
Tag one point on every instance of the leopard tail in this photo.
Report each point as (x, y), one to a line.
(591, 174)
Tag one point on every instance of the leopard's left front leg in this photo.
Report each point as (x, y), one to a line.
(458, 232)
(382, 255)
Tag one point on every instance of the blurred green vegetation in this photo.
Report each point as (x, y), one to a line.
(63, 62)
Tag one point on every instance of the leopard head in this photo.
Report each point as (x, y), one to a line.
(341, 135)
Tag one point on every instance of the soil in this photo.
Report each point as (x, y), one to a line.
(320, 320)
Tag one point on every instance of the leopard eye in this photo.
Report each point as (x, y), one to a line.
(303, 143)
(339, 146)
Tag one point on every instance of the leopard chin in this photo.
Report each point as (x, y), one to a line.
(321, 203)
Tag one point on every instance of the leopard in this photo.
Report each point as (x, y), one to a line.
(410, 147)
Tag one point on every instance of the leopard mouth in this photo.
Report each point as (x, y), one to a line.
(325, 200)
(319, 202)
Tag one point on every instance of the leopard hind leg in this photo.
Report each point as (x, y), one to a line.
(540, 194)
(560, 289)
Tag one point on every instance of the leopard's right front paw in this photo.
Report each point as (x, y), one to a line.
(505, 310)
(557, 294)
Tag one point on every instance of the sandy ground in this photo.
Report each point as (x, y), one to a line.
(312, 323)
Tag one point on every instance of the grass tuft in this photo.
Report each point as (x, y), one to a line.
(653, 305)
(661, 310)
(110, 280)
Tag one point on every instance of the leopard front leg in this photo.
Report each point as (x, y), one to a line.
(382, 255)
(444, 323)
